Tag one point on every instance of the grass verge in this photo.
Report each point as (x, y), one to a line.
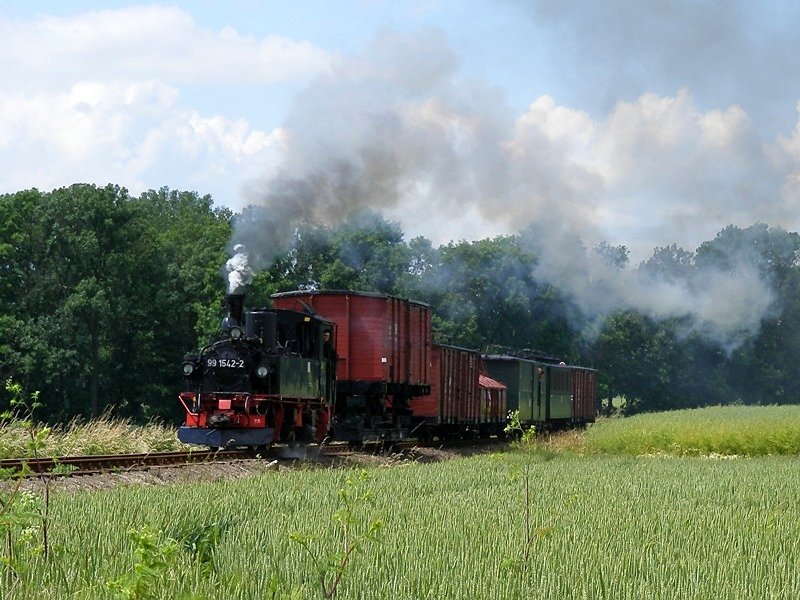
(106, 435)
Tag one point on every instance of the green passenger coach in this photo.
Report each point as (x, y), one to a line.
(542, 392)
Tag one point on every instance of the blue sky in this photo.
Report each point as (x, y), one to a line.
(637, 123)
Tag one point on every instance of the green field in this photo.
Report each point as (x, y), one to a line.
(721, 525)
(607, 528)
(729, 431)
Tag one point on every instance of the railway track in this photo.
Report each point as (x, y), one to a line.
(67, 466)
(87, 465)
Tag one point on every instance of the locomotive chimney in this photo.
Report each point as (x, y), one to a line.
(235, 305)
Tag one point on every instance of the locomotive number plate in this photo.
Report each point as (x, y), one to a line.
(230, 363)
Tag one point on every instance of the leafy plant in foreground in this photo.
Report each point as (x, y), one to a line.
(24, 513)
(155, 556)
(200, 540)
(355, 532)
(525, 440)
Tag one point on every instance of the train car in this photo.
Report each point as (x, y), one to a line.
(453, 404)
(518, 376)
(584, 395)
(455, 374)
(269, 377)
(463, 401)
(383, 344)
(546, 393)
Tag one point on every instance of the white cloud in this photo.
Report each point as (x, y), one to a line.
(137, 135)
(736, 52)
(96, 97)
(145, 43)
(655, 171)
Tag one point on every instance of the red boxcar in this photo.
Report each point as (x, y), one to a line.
(460, 395)
(379, 338)
(584, 391)
(454, 396)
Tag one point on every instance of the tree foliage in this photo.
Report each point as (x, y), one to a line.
(101, 294)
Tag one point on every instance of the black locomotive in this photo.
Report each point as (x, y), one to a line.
(270, 377)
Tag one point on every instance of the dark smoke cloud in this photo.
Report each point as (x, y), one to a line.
(382, 130)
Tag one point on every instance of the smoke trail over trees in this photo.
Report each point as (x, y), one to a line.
(400, 130)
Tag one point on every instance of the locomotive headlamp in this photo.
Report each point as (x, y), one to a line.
(262, 371)
(188, 368)
(236, 333)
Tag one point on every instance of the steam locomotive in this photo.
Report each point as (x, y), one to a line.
(270, 377)
(360, 366)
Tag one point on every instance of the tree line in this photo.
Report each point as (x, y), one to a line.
(102, 293)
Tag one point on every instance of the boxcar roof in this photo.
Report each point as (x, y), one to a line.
(472, 350)
(510, 358)
(272, 309)
(506, 357)
(342, 292)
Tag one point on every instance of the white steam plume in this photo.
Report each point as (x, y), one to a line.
(723, 306)
(238, 269)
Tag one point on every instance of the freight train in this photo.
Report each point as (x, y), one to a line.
(358, 366)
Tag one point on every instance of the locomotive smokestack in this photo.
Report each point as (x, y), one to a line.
(235, 304)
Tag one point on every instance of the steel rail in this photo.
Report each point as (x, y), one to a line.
(84, 465)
